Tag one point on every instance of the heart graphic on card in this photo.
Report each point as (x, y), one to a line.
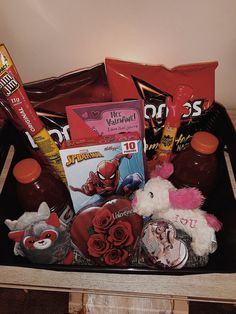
(95, 114)
(160, 246)
(107, 234)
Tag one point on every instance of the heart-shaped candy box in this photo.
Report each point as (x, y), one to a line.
(108, 234)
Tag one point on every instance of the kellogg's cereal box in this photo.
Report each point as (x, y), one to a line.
(102, 167)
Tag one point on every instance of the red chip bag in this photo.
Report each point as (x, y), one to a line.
(134, 80)
(153, 83)
(88, 85)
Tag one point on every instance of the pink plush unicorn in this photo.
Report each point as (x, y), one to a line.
(161, 199)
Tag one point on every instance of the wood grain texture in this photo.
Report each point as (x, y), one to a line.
(6, 167)
(96, 304)
(99, 304)
(218, 287)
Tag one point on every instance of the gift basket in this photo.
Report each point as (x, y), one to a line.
(120, 167)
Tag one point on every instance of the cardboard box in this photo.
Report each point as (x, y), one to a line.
(101, 167)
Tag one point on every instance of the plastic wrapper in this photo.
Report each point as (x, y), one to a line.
(23, 115)
(154, 83)
(50, 96)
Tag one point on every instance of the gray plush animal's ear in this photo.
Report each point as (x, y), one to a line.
(43, 210)
(11, 224)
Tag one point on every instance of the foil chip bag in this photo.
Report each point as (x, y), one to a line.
(50, 96)
(153, 83)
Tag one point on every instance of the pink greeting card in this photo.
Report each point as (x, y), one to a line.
(108, 118)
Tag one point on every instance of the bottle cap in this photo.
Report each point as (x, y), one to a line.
(27, 170)
(204, 142)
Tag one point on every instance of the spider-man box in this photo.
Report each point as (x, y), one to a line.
(101, 167)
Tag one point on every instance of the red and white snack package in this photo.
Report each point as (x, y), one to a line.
(50, 96)
(153, 83)
(135, 80)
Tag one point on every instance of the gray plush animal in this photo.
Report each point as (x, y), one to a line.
(41, 237)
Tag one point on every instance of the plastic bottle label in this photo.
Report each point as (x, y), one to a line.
(67, 215)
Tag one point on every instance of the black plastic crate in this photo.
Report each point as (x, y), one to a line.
(221, 202)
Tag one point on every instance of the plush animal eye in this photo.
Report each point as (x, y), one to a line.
(49, 234)
(151, 194)
(29, 242)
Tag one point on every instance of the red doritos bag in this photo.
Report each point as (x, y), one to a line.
(154, 83)
(50, 96)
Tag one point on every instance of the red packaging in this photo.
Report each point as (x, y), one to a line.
(50, 96)
(134, 80)
(18, 104)
(116, 219)
(87, 85)
(153, 83)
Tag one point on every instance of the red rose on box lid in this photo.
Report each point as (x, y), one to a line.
(107, 234)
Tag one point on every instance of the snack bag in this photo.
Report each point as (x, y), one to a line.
(49, 98)
(153, 83)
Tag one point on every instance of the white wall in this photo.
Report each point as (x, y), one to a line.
(51, 37)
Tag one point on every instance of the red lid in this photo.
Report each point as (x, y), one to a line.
(27, 170)
(204, 142)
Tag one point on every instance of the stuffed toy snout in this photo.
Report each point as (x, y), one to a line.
(153, 197)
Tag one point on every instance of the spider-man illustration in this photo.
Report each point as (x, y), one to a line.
(105, 180)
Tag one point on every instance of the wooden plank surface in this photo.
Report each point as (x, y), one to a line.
(206, 286)
(99, 304)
